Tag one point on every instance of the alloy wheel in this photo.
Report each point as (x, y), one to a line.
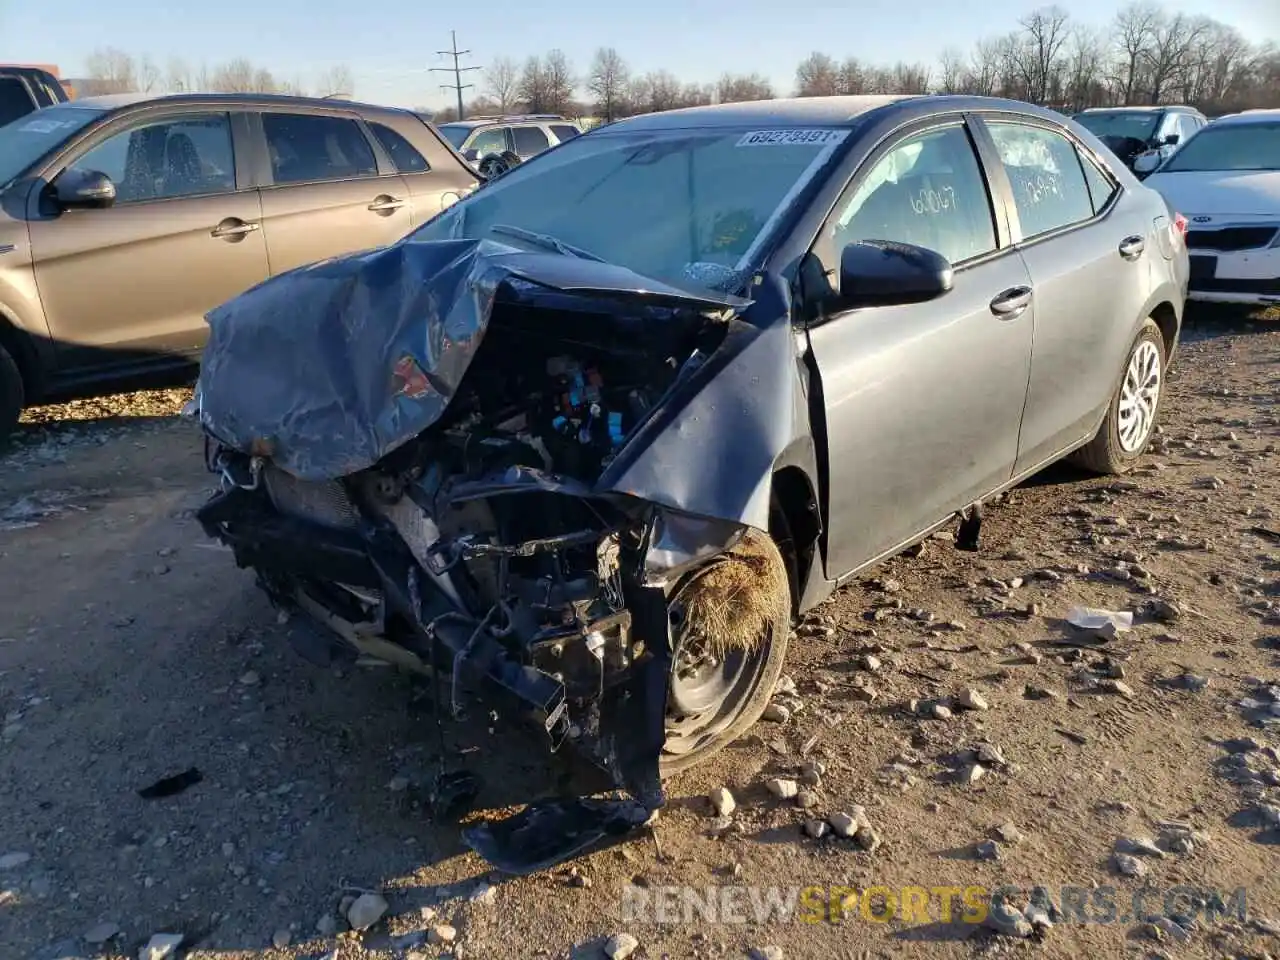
(1139, 397)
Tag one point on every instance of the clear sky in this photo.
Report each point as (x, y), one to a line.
(390, 45)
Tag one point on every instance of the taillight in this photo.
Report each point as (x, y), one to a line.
(1180, 225)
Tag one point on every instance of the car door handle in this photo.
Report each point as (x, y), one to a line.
(1012, 303)
(233, 229)
(386, 204)
(1131, 247)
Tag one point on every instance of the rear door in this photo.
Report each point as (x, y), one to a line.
(182, 237)
(1086, 244)
(921, 402)
(327, 190)
(432, 174)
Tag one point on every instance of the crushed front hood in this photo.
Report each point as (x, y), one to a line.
(328, 368)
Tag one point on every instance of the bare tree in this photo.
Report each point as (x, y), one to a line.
(853, 77)
(607, 82)
(531, 88)
(336, 81)
(1035, 53)
(1135, 29)
(241, 76)
(501, 81)
(560, 82)
(951, 70)
(177, 77)
(148, 75)
(741, 88)
(982, 76)
(817, 76)
(111, 70)
(1171, 52)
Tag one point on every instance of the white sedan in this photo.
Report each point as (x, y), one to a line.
(1226, 181)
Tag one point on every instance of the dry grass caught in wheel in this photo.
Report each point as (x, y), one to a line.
(734, 603)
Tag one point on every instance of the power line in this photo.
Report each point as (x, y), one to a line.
(456, 70)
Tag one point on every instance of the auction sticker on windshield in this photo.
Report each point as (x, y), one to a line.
(791, 138)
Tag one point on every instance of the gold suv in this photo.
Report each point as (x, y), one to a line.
(124, 219)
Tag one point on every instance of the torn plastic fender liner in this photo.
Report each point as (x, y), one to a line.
(328, 368)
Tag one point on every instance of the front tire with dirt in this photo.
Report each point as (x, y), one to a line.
(11, 395)
(730, 623)
(1134, 410)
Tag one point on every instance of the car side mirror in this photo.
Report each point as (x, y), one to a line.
(83, 189)
(471, 155)
(1172, 140)
(885, 273)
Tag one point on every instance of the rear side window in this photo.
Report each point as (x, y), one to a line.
(1101, 187)
(564, 131)
(15, 100)
(489, 141)
(1049, 187)
(308, 147)
(402, 153)
(529, 140)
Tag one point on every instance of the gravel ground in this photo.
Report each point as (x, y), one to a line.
(939, 702)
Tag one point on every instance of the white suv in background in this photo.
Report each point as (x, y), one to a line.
(525, 135)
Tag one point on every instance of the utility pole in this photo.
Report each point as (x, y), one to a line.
(458, 86)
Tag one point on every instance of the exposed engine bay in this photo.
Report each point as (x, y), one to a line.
(480, 552)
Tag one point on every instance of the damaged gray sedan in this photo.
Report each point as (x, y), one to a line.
(590, 440)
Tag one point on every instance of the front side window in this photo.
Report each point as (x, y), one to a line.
(308, 147)
(1049, 188)
(928, 191)
(489, 141)
(403, 154)
(529, 140)
(696, 208)
(180, 157)
(1228, 147)
(32, 136)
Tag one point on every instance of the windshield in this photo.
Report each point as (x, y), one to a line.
(692, 208)
(455, 133)
(27, 139)
(1235, 146)
(1121, 123)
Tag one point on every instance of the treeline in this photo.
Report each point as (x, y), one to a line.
(111, 70)
(1145, 55)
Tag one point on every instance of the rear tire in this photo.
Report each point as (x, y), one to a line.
(1134, 410)
(12, 395)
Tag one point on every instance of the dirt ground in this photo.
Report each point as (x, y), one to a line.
(131, 649)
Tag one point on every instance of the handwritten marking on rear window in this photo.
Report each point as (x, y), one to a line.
(791, 138)
(933, 201)
(1042, 186)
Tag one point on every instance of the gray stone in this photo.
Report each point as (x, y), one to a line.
(766, 953)
(620, 946)
(327, 925)
(11, 861)
(366, 910)
(281, 938)
(782, 789)
(939, 712)
(101, 932)
(443, 933)
(1139, 846)
(1009, 833)
(1008, 921)
(722, 802)
(776, 713)
(971, 774)
(988, 850)
(817, 829)
(843, 824)
(161, 946)
(1128, 866)
(972, 700)
(806, 799)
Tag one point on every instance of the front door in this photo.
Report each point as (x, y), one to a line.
(180, 239)
(327, 194)
(922, 403)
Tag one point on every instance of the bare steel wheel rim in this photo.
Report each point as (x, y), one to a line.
(706, 691)
(1139, 397)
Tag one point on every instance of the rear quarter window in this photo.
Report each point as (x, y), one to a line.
(15, 100)
(403, 154)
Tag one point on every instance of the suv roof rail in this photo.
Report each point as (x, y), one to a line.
(516, 116)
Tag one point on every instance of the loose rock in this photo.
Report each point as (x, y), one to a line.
(161, 946)
(972, 700)
(620, 946)
(366, 910)
(971, 774)
(766, 953)
(1128, 866)
(988, 850)
(722, 802)
(11, 861)
(101, 933)
(280, 939)
(817, 829)
(776, 713)
(782, 789)
(843, 825)
(1009, 833)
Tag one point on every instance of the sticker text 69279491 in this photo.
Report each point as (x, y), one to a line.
(791, 138)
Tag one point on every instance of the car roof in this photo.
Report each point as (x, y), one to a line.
(119, 101)
(1259, 115)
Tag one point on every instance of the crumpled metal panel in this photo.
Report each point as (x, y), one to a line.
(328, 368)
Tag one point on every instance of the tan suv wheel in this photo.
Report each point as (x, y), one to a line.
(11, 395)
